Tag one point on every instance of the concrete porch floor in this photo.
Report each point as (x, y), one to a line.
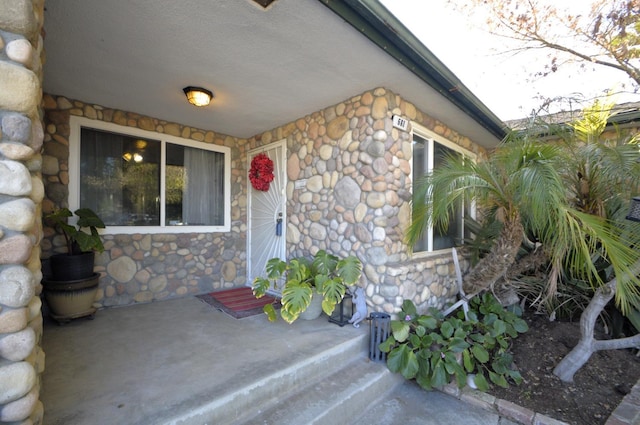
(149, 363)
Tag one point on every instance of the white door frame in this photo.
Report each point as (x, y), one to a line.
(282, 207)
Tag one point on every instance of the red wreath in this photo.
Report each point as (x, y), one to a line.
(261, 172)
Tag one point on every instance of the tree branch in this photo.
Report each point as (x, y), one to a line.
(614, 344)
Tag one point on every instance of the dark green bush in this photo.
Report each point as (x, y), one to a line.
(433, 349)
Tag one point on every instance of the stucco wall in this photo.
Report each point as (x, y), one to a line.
(21, 192)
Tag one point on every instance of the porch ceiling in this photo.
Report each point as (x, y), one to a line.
(265, 67)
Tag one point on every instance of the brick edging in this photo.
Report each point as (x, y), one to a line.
(626, 413)
(504, 408)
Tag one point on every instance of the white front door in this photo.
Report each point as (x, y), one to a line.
(267, 214)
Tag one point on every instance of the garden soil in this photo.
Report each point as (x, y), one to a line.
(598, 387)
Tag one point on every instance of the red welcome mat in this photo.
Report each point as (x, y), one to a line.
(237, 302)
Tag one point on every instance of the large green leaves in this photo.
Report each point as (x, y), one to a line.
(400, 330)
(403, 360)
(433, 349)
(349, 270)
(74, 235)
(260, 286)
(333, 291)
(298, 280)
(569, 195)
(296, 297)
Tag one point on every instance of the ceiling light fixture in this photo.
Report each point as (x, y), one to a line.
(197, 95)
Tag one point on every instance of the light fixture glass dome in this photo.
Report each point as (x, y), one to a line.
(198, 96)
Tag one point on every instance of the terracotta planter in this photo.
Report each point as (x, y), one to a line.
(314, 310)
(71, 299)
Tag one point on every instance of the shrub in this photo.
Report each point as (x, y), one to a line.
(324, 275)
(433, 349)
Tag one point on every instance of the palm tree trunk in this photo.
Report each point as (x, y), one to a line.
(496, 263)
(572, 362)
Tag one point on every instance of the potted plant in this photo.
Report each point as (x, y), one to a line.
(77, 262)
(325, 279)
(71, 287)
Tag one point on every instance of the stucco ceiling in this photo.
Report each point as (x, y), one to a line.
(266, 67)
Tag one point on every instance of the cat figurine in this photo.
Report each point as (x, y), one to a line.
(360, 302)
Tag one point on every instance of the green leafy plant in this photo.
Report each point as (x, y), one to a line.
(77, 239)
(433, 349)
(301, 279)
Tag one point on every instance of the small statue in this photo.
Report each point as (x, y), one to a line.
(360, 302)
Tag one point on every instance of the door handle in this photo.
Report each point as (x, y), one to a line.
(279, 225)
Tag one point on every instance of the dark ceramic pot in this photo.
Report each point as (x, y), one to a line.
(66, 267)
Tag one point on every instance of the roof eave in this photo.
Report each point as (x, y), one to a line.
(375, 22)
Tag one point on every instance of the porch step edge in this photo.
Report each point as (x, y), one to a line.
(338, 398)
(246, 402)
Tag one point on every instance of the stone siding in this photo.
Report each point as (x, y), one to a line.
(147, 267)
(348, 191)
(21, 194)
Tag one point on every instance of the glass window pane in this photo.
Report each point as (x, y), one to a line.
(452, 236)
(194, 182)
(120, 178)
(420, 168)
(428, 155)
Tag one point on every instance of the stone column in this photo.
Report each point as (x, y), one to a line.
(21, 194)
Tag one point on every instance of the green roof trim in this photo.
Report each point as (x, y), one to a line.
(374, 21)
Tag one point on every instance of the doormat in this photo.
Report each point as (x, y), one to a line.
(238, 302)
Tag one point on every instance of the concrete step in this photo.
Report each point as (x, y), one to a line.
(408, 404)
(334, 399)
(249, 401)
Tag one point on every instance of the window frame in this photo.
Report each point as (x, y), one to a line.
(75, 126)
(431, 138)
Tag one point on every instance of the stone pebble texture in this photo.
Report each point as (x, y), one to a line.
(355, 170)
(21, 195)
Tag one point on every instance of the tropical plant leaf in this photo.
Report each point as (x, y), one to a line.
(466, 361)
(400, 330)
(260, 286)
(515, 376)
(403, 360)
(387, 344)
(457, 345)
(324, 263)
(439, 377)
(275, 268)
(480, 353)
(425, 382)
(299, 270)
(446, 329)
(287, 315)
(270, 311)
(481, 382)
(333, 292)
(88, 218)
(499, 328)
(498, 379)
(428, 322)
(409, 309)
(296, 298)
(349, 269)
(520, 326)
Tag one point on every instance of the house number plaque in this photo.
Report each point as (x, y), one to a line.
(399, 122)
